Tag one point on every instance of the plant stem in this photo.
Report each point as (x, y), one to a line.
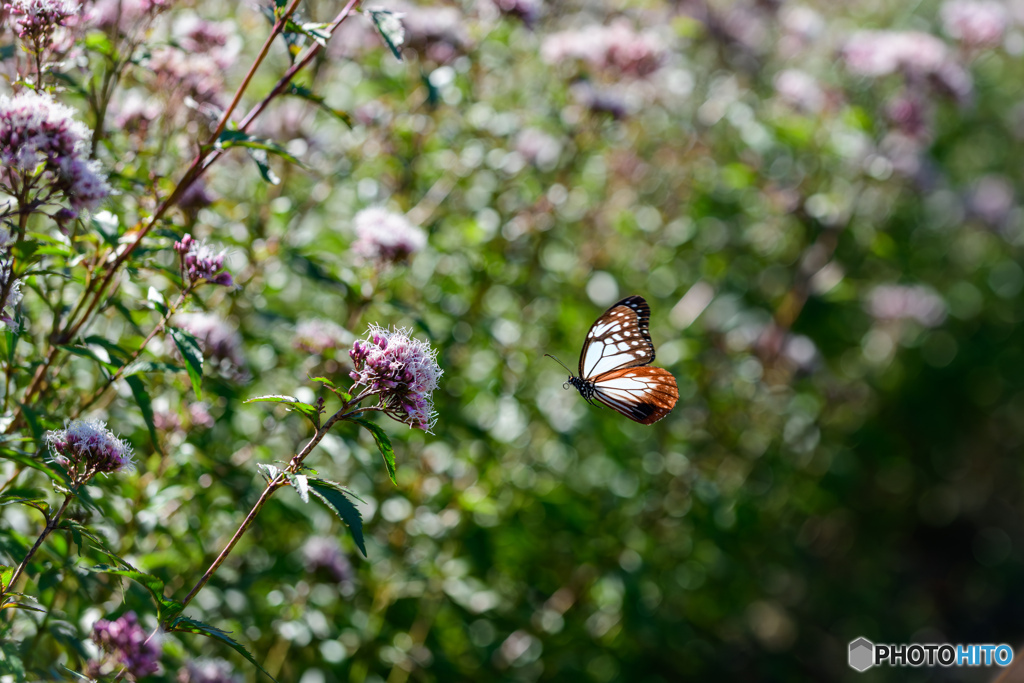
(51, 524)
(277, 482)
(131, 359)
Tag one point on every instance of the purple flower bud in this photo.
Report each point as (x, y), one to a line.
(200, 263)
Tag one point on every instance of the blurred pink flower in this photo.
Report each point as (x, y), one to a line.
(975, 23)
(918, 56)
(907, 302)
(318, 335)
(383, 236)
(401, 371)
(208, 671)
(800, 90)
(538, 147)
(437, 32)
(221, 344)
(323, 553)
(992, 199)
(128, 645)
(617, 48)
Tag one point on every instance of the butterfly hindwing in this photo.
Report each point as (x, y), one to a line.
(620, 338)
(643, 394)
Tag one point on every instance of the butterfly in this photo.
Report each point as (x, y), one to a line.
(615, 365)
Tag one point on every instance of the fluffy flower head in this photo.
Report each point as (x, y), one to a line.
(386, 237)
(401, 370)
(124, 640)
(87, 447)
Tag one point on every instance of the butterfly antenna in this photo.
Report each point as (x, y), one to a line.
(559, 362)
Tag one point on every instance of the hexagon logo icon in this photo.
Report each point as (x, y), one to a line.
(862, 654)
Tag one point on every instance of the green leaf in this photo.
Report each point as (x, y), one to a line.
(383, 445)
(314, 31)
(187, 625)
(112, 348)
(309, 95)
(33, 421)
(166, 607)
(237, 138)
(309, 411)
(98, 41)
(7, 51)
(86, 352)
(143, 367)
(11, 338)
(301, 484)
(10, 661)
(5, 577)
(389, 25)
(145, 405)
(36, 462)
(193, 355)
(157, 299)
(332, 495)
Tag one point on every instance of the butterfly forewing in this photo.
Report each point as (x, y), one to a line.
(643, 394)
(620, 338)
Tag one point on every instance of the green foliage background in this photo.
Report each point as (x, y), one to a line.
(786, 507)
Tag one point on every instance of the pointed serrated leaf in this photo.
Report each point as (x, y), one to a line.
(193, 355)
(301, 484)
(383, 445)
(145, 404)
(188, 625)
(389, 25)
(332, 495)
(318, 100)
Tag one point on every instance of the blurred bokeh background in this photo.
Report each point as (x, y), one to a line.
(820, 202)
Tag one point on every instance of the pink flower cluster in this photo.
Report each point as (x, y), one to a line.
(402, 371)
(221, 344)
(385, 237)
(86, 448)
(200, 263)
(903, 302)
(975, 23)
(126, 643)
(919, 57)
(317, 336)
(616, 48)
(37, 19)
(38, 132)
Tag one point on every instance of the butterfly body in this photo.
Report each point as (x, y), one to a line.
(614, 368)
